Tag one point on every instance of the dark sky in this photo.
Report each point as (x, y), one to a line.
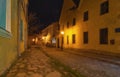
(47, 11)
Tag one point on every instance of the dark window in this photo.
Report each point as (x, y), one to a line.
(85, 16)
(117, 30)
(104, 8)
(21, 30)
(67, 39)
(58, 45)
(74, 21)
(104, 36)
(67, 24)
(73, 38)
(85, 37)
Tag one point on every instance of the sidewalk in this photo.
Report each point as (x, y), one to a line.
(33, 63)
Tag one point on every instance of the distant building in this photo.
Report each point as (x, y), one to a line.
(13, 31)
(50, 34)
(94, 24)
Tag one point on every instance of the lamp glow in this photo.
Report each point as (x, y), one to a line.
(62, 32)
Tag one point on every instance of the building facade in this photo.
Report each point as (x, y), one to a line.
(50, 34)
(13, 31)
(93, 25)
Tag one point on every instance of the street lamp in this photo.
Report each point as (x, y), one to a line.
(43, 37)
(33, 40)
(62, 33)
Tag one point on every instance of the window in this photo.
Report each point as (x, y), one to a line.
(117, 30)
(85, 16)
(104, 36)
(67, 39)
(74, 21)
(85, 37)
(67, 24)
(3, 14)
(73, 38)
(104, 7)
(5, 18)
(21, 30)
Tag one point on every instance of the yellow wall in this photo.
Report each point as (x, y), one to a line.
(9, 44)
(110, 20)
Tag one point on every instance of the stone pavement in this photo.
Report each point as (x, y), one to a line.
(87, 64)
(113, 58)
(33, 63)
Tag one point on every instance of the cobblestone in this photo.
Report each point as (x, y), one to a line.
(88, 67)
(33, 63)
(54, 74)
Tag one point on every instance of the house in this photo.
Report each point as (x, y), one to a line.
(93, 24)
(13, 31)
(50, 34)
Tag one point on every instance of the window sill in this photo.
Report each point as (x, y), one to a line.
(5, 33)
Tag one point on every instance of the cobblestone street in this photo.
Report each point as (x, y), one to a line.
(33, 63)
(36, 62)
(88, 67)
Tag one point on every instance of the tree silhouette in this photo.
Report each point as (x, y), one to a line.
(33, 24)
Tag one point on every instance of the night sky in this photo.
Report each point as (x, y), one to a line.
(47, 11)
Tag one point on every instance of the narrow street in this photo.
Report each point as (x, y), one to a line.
(86, 66)
(52, 62)
(59, 38)
(35, 63)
